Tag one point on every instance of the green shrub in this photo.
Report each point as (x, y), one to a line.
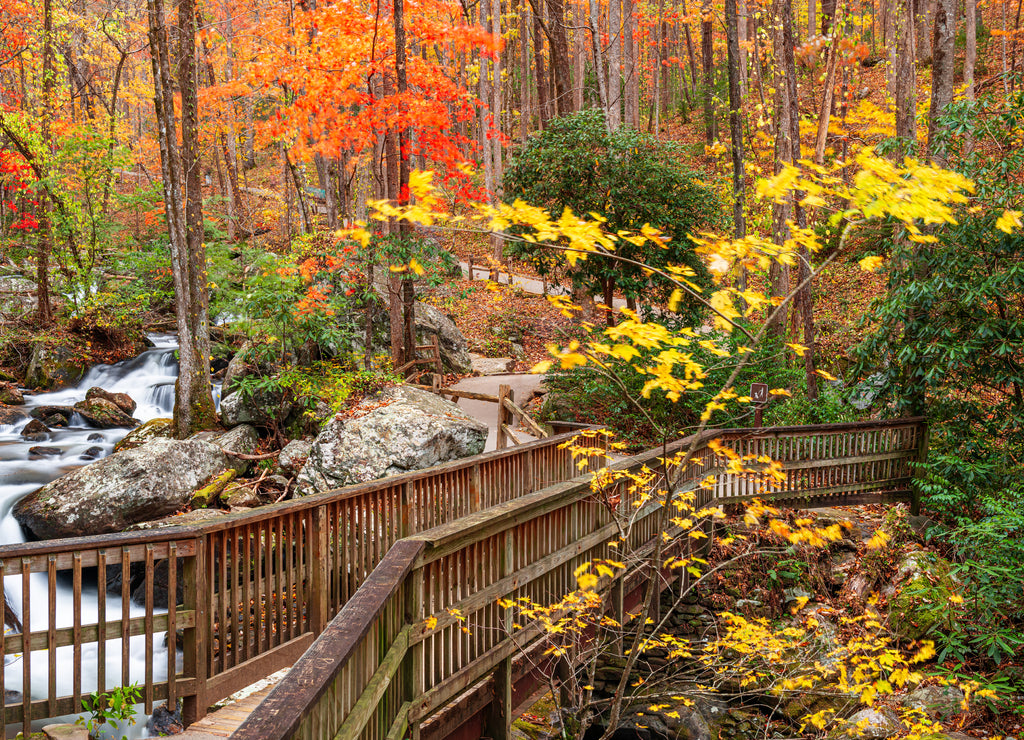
(627, 177)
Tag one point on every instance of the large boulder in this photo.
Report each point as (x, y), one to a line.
(122, 400)
(99, 412)
(398, 430)
(17, 296)
(152, 429)
(54, 366)
(10, 415)
(294, 455)
(10, 395)
(262, 408)
(137, 485)
(432, 322)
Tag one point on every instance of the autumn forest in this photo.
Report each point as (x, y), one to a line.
(660, 218)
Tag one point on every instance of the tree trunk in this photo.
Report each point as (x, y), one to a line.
(595, 43)
(825, 112)
(193, 402)
(561, 71)
(806, 294)
(943, 59)
(707, 60)
(905, 74)
(543, 106)
(735, 116)
(828, 11)
(779, 274)
(970, 46)
(614, 64)
(812, 23)
(44, 307)
(629, 55)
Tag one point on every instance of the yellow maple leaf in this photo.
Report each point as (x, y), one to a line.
(871, 263)
(1009, 221)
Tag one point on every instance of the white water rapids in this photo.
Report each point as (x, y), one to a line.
(149, 380)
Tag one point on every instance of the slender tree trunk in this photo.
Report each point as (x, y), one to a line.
(690, 52)
(629, 54)
(595, 43)
(735, 117)
(614, 64)
(812, 23)
(44, 308)
(779, 274)
(943, 59)
(905, 74)
(193, 403)
(970, 46)
(707, 59)
(825, 112)
(806, 296)
(543, 104)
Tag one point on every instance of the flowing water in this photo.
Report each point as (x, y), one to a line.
(149, 380)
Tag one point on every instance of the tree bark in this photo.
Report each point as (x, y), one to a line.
(44, 307)
(825, 112)
(943, 59)
(193, 402)
(707, 60)
(595, 43)
(629, 55)
(806, 295)
(905, 74)
(614, 64)
(735, 116)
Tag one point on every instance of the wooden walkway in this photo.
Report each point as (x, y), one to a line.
(224, 721)
(356, 573)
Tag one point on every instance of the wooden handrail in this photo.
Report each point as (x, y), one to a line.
(571, 530)
(301, 562)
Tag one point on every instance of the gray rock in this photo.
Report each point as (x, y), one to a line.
(65, 732)
(165, 722)
(792, 594)
(136, 485)
(432, 322)
(10, 395)
(53, 367)
(46, 412)
(877, 724)
(939, 701)
(91, 454)
(122, 400)
(152, 429)
(241, 439)
(105, 414)
(36, 453)
(242, 365)
(11, 415)
(261, 408)
(17, 296)
(294, 455)
(492, 365)
(35, 431)
(399, 430)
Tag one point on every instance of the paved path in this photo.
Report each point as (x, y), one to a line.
(530, 285)
(522, 384)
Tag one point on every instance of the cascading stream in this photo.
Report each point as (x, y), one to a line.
(149, 380)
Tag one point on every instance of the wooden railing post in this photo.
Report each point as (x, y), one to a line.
(499, 718)
(196, 638)
(922, 458)
(319, 577)
(475, 490)
(504, 391)
(412, 663)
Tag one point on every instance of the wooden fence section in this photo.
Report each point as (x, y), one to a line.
(450, 669)
(250, 591)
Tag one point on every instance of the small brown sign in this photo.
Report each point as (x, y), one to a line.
(759, 392)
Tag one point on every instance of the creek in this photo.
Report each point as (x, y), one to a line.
(149, 380)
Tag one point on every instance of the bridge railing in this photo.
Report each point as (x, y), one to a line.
(453, 664)
(214, 606)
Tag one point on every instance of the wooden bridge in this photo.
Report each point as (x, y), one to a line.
(341, 584)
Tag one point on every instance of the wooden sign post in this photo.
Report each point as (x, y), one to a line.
(759, 396)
